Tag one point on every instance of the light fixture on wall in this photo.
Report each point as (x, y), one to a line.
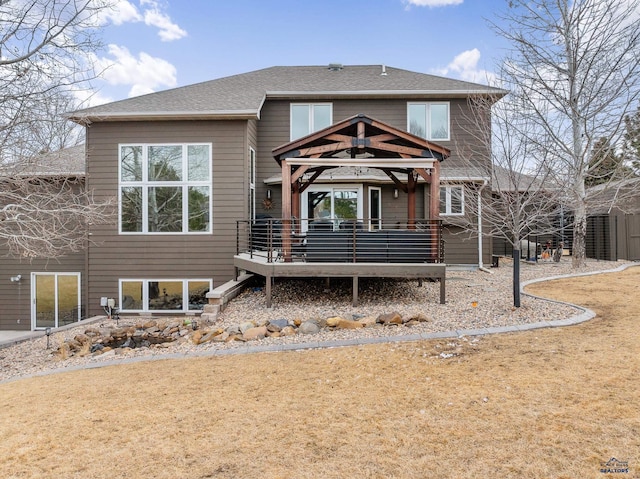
(268, 193)
(16, 278)
(396, 193)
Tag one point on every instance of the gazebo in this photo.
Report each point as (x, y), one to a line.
(358, 141)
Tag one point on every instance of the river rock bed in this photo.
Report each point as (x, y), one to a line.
(305, 311)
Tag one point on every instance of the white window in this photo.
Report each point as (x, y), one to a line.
(334, 204)
(165, 188)
(307, 118)
(429, 120)
(452, 200)
(252, 184)
(159, 295)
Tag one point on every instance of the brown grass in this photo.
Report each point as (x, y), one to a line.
(547, 403)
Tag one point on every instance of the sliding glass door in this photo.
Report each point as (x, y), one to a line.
(324, 203)
(55, 299)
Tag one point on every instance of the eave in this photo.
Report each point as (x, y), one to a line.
(85, 119)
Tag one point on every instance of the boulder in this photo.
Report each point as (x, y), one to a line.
(210, 335)
(252, 334)
(420, 318)
(150, 324)
(196, 337)
(247, 325)
(220, 338)
(280, 323)
(390, 318)
(273, 328)
(309, 327)
(288, 331)
(368, 321)
(334, 321)
(82, 338)
(349, 324)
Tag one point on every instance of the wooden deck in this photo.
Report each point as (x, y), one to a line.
(275, 269)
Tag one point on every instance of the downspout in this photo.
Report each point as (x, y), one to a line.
(480, 263)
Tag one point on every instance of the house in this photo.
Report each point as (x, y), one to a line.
(190, 166)
(613, 224)
(37, 292)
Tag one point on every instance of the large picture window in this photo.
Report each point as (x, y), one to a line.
(452, 200)
(429, 120)
(307, 118)
(138, 295)
(165, 188)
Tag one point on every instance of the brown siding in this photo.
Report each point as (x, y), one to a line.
(179, 256)
(274, 132)
(15, 297)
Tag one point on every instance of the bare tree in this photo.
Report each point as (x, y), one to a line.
(45, 51)
(631, 146)
(520, 196)
(576, 69)
(46, 214)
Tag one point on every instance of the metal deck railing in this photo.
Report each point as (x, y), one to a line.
(344, 241)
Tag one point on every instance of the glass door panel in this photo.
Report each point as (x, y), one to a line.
(45, 301)
(345, 204)
(68, 292)
(375, 208)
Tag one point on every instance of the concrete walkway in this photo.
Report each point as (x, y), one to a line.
(9, 338)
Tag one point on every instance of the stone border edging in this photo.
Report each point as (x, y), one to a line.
(586, 315)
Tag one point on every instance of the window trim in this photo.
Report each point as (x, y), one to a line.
(311, 106)
(428, 105)
(331, 188)
(145, 294)
(448, 189)
(252, 184)
(184, 184)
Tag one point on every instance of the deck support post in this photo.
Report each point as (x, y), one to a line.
(268, 290)
(354, 302)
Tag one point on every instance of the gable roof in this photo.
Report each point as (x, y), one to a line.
(242, 96)
(360, 134)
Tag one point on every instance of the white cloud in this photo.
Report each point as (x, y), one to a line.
(169, 31)
(465, 67)
(144, 73)
(433, 3)
(123, 11)
(120, 12)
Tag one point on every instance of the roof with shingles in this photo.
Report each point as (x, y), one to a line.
(66, 162)
(243, 95)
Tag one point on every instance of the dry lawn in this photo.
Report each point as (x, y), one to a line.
(548, 403)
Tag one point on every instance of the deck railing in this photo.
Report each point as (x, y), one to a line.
(344, 241)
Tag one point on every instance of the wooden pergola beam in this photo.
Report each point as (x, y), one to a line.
(409, 150)
(396, 181)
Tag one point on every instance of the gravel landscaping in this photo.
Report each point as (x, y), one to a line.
(300, 300)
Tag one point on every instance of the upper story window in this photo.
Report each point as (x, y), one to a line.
(307, 118)
(165, 188)
(429, 120)
(452, 200)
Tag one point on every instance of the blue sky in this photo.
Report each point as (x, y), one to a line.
(153, 45)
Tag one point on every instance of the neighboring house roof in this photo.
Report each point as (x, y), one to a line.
(66, 162)
(242, 96)
(503, 180)
(621, 195)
